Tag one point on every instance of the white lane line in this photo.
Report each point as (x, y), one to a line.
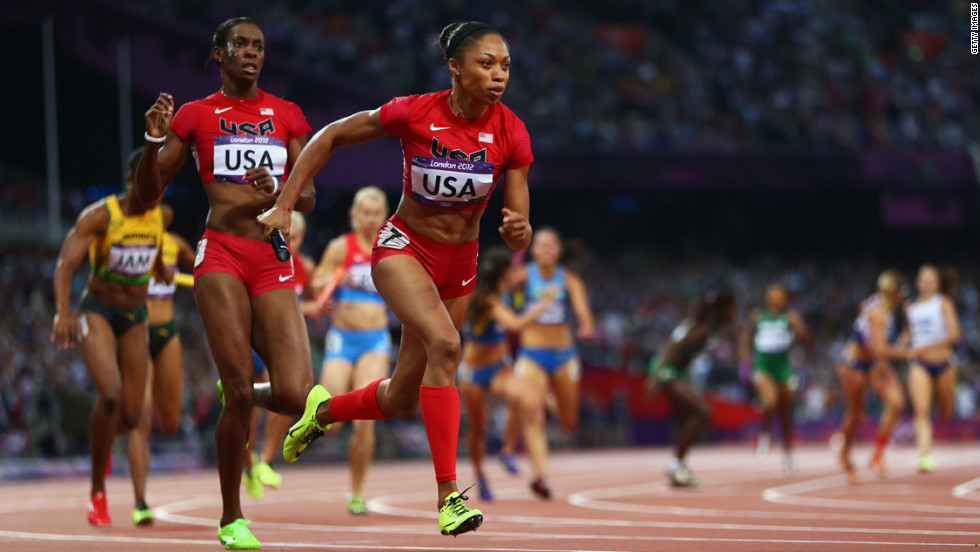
(965, 490)
(349, 546)
(382, 505)
(788, 494)
(592, 499)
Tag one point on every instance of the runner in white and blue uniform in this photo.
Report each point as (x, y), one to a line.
(933, 329)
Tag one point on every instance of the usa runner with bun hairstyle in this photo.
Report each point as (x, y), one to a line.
(457, 144)
(244, 142)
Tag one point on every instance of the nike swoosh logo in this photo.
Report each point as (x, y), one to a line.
(284, 278)
(433, 127)
(465, 282)
(218, 110)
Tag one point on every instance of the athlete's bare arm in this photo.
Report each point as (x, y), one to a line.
(91, 222)
(516, 229)
(745, 338)
(579, 299)
(354, 129)
(800, 328)
(516, 322)
(332, 256)
(185, 253)
(307, 198)
(879, 341)
(159, 164)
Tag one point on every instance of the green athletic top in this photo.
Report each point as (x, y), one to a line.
(773, 340)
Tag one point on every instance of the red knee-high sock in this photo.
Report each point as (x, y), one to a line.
(359, 404)
(880, 442)
(440, 412)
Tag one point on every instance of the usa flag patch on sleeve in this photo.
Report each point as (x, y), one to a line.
(486, 137)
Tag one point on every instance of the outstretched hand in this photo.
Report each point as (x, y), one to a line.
(515, 228)
(159, 115)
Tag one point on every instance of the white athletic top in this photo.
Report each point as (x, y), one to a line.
(927, 325)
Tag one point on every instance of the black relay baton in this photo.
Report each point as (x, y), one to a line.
(279, 246)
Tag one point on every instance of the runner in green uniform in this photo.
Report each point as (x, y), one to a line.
(713, 314)
(765, 346)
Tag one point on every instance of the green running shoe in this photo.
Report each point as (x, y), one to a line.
(142, 515)
(927, 463)
(355, 505)
(252, 484)
(236, 536)
(265, 474)
(455, 518)
(306, 430)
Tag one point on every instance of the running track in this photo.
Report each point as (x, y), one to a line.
(605, 501)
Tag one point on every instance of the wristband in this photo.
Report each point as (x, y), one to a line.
(275, 184)
(148, 138)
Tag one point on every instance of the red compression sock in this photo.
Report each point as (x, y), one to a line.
(881, 441)
(359, 404)
(440, 412)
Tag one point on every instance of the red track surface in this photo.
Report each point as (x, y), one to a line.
(605, 501)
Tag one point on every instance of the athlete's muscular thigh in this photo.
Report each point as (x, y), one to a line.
(226, 315)
(279, 336)
(409, 292)
(98, 348)
(134, 359)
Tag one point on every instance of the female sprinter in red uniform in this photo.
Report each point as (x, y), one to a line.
(358, 344)
(457, 144)
(244, 141)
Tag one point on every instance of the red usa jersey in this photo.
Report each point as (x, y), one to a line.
(228, 136)
(454, 162)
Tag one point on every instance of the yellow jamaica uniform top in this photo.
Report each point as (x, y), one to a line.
(125, 254)
(168, 256)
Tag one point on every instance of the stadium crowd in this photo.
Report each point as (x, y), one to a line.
(636, 76)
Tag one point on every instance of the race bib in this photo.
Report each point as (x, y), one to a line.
(360, 277)
(450, 183)
(233, 155)
(131, 260)
(773, 337)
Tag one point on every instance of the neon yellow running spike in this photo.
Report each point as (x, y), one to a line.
(252, 484)
(355, 505)
(927, 463)
(306, 430)
(264, 473)
(236, 536)
(142, 516)
(455, 518)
